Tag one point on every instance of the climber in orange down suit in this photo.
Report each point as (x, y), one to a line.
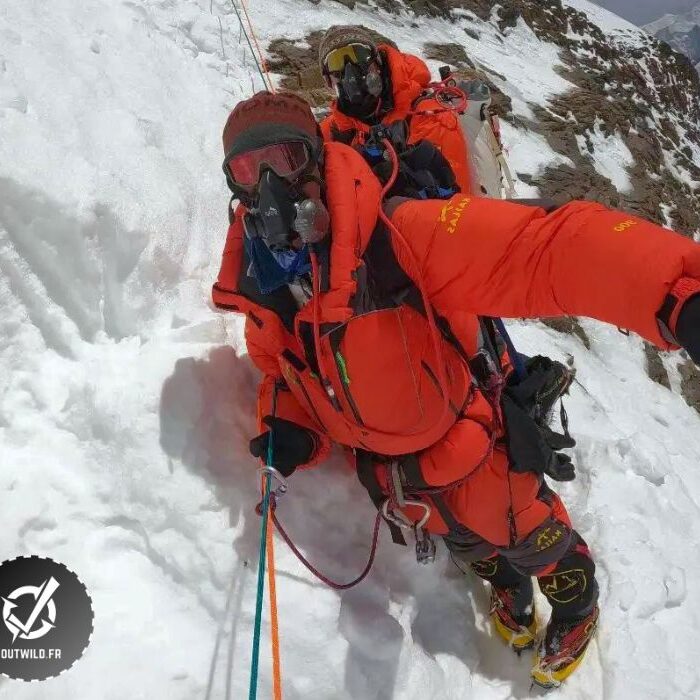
(366, 318)
(376, 83)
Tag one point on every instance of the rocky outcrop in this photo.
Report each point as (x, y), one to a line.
(614, 92)
(298, 64)
(621, 91)
(690, 384)
(655, 366)
(454, 55)
(569, 325)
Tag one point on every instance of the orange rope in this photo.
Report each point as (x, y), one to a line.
(274, 624)
(257, 46)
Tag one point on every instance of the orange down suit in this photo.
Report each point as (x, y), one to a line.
(473, 257)
(428, 120)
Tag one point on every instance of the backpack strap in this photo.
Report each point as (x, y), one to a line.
(515, 358)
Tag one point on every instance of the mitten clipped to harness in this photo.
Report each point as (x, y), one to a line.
(527, 404)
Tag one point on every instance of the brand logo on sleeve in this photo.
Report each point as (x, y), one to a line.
(624, 225)
(450, 214)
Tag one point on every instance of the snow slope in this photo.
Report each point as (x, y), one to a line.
(127, 403)
(609, 22)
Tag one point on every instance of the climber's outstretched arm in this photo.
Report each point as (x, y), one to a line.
(497, 258)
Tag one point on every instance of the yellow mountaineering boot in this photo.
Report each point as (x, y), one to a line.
(513, 615)
(561, 651)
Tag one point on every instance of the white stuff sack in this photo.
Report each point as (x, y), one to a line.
(490, 174)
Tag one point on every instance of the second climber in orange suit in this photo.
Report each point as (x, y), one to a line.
(363, 316)
(378, 84)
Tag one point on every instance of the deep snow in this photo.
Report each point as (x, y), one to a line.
(127, 403)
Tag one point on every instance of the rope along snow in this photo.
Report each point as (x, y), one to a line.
(266, 85)
(257, 46)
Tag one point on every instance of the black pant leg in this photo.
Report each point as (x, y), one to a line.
(499, 572)
(571, 588)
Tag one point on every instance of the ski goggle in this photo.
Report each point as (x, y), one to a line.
(357, 54)
(288, 160)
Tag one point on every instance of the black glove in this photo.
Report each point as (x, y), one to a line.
(561, 468)
(292, 444)
(688, 328)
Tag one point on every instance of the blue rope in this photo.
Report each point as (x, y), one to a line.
(253, 694)
(515, 356)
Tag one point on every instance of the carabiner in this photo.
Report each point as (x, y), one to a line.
(283, 485)
(400, 520)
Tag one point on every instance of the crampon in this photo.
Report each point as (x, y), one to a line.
(513, 615)
(561, 651)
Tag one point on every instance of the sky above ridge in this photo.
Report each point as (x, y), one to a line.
(645, 11)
